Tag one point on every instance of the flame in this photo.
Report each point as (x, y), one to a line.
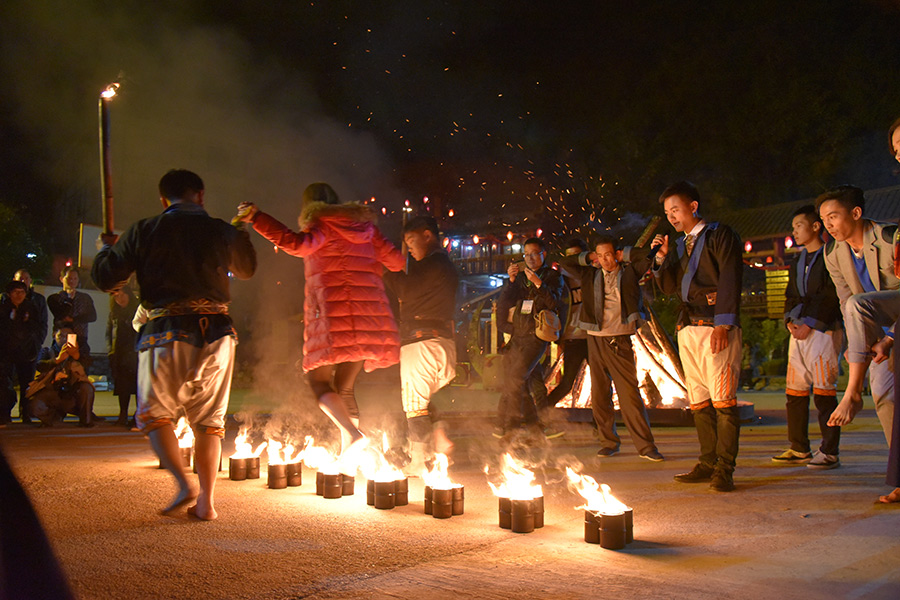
(109, 92)
(319, 458)
(184, 433)
(437, 478)
(598, 498)
(282, 454)
(375, 466)
(517, 480)
(243, 449)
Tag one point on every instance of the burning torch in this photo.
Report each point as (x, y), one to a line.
(105, 178)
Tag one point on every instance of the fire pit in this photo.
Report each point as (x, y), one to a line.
(443, 498)
(385, 495)
(294, 474)
(607, 521)
(277, 476)
(244, 463)
(521, 501)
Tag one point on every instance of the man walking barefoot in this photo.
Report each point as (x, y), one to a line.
(183, 259)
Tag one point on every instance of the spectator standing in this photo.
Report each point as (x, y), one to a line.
(19, 347)
(73, 309)
(121, 339)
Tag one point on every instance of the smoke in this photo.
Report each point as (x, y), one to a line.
(192, 97)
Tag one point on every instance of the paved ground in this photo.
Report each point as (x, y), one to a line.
(787, 532)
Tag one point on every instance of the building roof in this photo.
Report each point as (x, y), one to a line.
(775, 220)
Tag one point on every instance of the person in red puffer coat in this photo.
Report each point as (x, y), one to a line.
(349, 324)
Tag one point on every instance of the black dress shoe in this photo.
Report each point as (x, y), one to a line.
(698, 474)
(722, 481)
(607, 452)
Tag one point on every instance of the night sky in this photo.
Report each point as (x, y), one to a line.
(571, 112)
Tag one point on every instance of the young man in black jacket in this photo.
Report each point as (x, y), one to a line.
(532, 287)
(813, 317)
(612, 308)
(705, 270)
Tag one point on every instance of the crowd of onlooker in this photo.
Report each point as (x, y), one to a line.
(50, 382)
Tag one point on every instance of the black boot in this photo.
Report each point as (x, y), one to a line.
(707, 434)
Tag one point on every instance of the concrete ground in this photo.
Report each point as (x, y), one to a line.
(787, 532)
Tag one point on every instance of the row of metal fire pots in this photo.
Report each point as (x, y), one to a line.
(607, 521)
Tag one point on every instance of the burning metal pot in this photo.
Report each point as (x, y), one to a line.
(237, 469)
(294, 474)
(277, 476)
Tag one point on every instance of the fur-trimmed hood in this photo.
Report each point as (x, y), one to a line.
(353, 211)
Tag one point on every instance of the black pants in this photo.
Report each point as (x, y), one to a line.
(612, 361)
(574, 352)
(798, 423)
(718, 430)
(516, 404)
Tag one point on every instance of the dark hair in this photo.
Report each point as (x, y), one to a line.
(684, 189)
(422, 223)
(577, 243)
(848, 196)
(66, 270)
(537, 241)
(320, 192)
(894, 126)
(604, 239)
(809, 211)
(177, 183)
(16, 285)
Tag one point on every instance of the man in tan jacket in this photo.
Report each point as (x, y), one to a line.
(860, 261)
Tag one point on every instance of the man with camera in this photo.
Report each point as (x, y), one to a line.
(533, 287)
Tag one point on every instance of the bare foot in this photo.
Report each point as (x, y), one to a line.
(208, 514)
(185, 496)
(348, 461)
(890, 498)
(850, 405)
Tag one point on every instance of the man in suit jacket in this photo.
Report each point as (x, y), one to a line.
(860, 260)
(813, 316)
(706, 272)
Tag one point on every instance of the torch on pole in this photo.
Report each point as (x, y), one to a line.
(105, 176)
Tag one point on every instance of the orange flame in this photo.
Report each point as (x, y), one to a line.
(243, 449)
(517, 481)
(184, 433)
(598, 498)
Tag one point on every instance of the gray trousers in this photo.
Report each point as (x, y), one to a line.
(612, 361)
(865, 316)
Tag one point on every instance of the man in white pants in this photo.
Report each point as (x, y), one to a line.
(427, 294)
(186, 349)
(812, 315)
(705, 270)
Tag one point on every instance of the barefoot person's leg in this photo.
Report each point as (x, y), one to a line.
(207, 449)
(165, 445)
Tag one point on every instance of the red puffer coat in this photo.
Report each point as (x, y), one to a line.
(347, 315)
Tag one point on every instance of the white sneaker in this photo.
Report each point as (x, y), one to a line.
(820, 460)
